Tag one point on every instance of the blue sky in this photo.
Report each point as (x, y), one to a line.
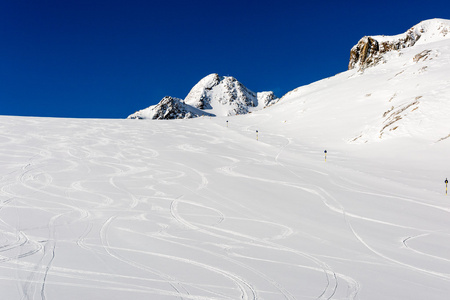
(107, 59)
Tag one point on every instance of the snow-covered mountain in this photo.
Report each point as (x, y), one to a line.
(400, 90)
(225, 96)
(213, 95)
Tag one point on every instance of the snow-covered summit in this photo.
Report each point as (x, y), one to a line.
(213, 95)
(370, 50)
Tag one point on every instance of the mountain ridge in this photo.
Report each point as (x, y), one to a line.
(406, 93)
(213, 95)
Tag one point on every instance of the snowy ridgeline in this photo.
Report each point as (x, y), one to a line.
(212, 96)
(402, 92)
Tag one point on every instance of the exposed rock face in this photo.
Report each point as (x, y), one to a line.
(370, 50)
(168, 108)
(364, 53)
(267, 98)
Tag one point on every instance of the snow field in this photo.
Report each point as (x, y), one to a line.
(191, 209)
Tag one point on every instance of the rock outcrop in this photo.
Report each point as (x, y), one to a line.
(169, 108)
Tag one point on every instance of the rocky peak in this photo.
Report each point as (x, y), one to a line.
(226, 96)
(370, 49)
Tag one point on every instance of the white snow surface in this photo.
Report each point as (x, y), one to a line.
(208, 208)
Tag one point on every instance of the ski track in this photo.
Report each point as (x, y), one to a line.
(420, 252)
(110, 250)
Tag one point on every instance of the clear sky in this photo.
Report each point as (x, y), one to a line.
(107, 59)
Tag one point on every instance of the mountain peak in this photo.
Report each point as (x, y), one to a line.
(209, 81)
(226, 96)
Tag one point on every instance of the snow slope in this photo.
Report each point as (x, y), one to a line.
(193, 209)
(201, 209)
(406, 96)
